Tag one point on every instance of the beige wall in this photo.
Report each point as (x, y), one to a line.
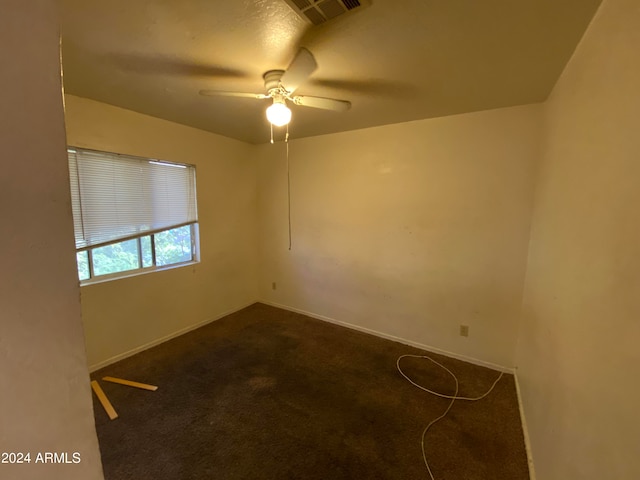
(408, 230)
(125, 314)
(45, 398)
(578, 353)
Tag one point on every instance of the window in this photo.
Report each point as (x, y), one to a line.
(131, 214)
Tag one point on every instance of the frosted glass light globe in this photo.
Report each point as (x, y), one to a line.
(278, 114)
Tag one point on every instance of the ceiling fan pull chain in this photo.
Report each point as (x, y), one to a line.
(271, 124)
(288, 188)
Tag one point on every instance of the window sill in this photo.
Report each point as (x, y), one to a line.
(134, 273)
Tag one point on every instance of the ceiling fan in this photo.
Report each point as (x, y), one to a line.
(280, 86)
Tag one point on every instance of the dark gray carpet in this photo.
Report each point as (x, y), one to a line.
(269, 394)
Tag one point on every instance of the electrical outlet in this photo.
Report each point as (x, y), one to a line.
(464, 330)
(273, 286)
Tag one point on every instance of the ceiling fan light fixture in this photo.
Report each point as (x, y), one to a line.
(278, 113)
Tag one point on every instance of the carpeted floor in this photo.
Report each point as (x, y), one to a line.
(269, 394)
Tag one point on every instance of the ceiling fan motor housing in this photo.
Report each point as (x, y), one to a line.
(272, 79)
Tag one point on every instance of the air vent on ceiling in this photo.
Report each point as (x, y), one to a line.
(321, 11)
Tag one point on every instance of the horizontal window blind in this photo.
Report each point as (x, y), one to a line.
(119, 196)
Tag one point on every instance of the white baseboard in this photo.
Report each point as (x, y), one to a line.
(422, 346)
(121, 356)
(525, 430)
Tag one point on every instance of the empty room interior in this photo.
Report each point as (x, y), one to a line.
(344, 239)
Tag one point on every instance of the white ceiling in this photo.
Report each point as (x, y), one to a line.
(395, 61)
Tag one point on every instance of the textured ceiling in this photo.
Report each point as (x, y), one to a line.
(397, 60)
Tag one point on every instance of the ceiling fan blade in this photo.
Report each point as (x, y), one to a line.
(218, 93)
(167, 65)
(301, 68)
(323, 103)
(368, 87)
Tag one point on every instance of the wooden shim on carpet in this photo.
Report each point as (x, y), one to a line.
(106, 404)
(121, 381)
